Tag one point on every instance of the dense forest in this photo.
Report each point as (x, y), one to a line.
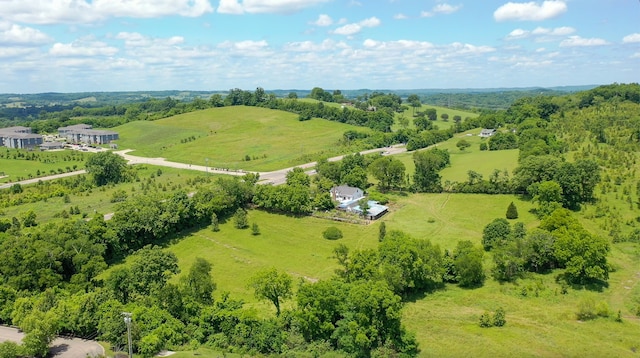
(575, 152)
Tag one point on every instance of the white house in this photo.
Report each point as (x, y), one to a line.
(344, 193)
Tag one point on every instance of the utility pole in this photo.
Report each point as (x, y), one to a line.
(127, 321)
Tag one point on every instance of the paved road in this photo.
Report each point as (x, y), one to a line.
(49, 177)
(60, 347)
(275, 177)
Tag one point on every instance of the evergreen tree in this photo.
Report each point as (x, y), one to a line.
(382, 231)
(512, 211)
(240, 219)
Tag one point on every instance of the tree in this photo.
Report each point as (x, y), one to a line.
(364, 206)
(255, 230)
(215, 223)
(444, 116)
(427, 165)
(495, 233)
(29, 219)
(468, 264)
(152, 268)
(431, 114)
(273, 286)
(463, 144)
(297, 177)
(198, 283)
(389, 172)
(409, 264)
(512, 211)
(240, 220)
(382, 231)
(414, 101)
(106, 167)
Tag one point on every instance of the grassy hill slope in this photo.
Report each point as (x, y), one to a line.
(272, 139)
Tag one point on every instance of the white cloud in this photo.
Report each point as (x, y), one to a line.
(400, 16)
(370, 22)
(542, 34)
(530, 11)
(354, 28)
(323, 20)
(12, 34)
(444, 8)
(518, 34)
(636, 55)
(82, 49)
(577, 41)
(265, 6)
(558, 31)
(230, 7)
(631, 38)
(84, 11)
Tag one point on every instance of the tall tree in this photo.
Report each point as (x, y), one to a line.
(388, 171)
(106, 167)
(273, 286)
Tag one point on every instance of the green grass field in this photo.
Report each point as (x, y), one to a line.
(440, 123)
(272, 139)
(542, 323)
(472, 158)
(19, 169)
(98, 200)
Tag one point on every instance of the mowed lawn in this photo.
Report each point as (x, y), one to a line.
(226, 136)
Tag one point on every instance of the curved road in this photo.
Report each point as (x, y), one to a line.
(60, 347)
(275, 177)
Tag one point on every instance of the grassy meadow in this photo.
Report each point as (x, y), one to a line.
(99, 200)
(14, 168)
(472, 158)
(541, 319)
(226, 136)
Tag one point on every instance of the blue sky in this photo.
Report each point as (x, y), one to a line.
(113, 45)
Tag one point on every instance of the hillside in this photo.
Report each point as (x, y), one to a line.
(228, 136)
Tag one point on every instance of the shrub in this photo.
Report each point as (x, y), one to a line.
(499, 318)
(485, 320)
(332, 233)
(586, 310)
(512, 211)
(215, 224)
(255, 230)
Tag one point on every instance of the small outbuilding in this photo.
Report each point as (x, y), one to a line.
(487, 132)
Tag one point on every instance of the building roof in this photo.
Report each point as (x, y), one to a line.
(344, 190)
(52, 144)
(375, 209)
(488, 131)
(16, 129)
(76, 127)
(21, 135)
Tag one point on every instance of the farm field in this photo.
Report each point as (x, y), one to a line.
(228, 136)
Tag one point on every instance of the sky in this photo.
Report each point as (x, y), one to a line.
(144, 45)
